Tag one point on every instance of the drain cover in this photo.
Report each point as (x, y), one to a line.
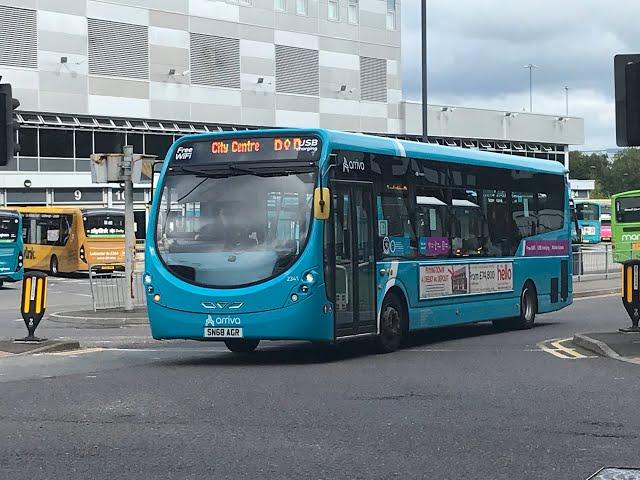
(617, 474)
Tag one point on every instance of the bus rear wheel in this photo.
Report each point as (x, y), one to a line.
(53, 265)
(241, 345)
(393, 325)
(528, 311)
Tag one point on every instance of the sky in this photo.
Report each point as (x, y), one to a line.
(477, 50)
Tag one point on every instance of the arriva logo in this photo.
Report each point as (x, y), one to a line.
(630, 237)
(348, 165)
(184, 153)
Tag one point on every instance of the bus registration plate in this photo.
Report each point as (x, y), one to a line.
(223, 332)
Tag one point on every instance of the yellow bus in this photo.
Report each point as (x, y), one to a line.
(64, 240)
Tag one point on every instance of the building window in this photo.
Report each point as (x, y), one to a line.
(118, 49)
(280, 5)
(373, 79)
(84, 143)
(297, 70)
(246, 3)
(56, 143)
(333, 12)
(302, 7)
(28, 140)
(215, 61)
(391, 14)
(353, 11)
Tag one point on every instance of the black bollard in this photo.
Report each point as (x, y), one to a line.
(34, 303)
(631, 293)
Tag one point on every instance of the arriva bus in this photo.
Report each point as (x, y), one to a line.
(588, 214)
(625, 225)
(59, 239)
(321, 235)
(11, 256)
(605, 217)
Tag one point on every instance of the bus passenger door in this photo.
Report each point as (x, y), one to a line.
(354, 268)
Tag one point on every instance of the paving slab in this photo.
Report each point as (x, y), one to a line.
(10, 347)
(617, 345)
(112, 318)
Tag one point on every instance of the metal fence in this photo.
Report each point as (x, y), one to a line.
(594, 261)
(109, 288)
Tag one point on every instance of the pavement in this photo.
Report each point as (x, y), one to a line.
(617, 345)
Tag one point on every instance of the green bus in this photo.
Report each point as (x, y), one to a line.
(625, 225)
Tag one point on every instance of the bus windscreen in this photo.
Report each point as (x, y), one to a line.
(628, 210)
(588, 211)
(8, 229)
(236, 211)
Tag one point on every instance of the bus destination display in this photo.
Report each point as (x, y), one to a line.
(250, 149)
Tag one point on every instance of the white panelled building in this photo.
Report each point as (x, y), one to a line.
(94, 75)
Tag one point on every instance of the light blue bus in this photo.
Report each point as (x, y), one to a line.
(588, 214)
(11, 247)
(309, 234)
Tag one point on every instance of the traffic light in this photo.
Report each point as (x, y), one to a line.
(627, 86)
(8, 127)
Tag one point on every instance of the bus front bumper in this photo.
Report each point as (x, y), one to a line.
(11, 277)
(309, 319)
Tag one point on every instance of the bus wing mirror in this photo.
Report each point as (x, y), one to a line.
(321, 202)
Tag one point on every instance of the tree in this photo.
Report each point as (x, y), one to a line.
(625, 171)
(594, 166)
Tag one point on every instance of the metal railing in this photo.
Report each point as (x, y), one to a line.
(597, 260)
(109, 287)
(139, 255)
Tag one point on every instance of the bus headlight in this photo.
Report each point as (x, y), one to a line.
(83, 257)
(147, 278)
(294, 297)
(309, 277)
(20, 260)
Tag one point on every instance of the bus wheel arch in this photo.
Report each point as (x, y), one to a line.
(54, 266)
(394, 321)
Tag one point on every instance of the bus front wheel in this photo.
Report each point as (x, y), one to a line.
(393, 324)
(241, 345)
(53, 265)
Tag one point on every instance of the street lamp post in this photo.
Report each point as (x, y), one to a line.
(424, 70)
(566, 99)
(530, 66)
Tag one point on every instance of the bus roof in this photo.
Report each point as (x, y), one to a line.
(630, 193)
(392, 146)
(395, 147)
(46, 209)
(9, 212)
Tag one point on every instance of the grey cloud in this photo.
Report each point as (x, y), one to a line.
(477, 49)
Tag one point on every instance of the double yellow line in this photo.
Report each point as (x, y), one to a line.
(556, 348)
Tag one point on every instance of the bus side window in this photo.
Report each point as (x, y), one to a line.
(393, 210)
(431, 215)
(524, 213)
(496, 207)
(469, 231)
